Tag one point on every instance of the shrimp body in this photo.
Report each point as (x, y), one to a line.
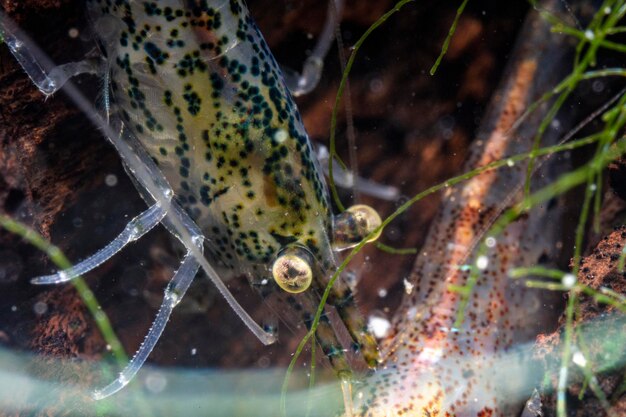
(195, 82)
(431, 365)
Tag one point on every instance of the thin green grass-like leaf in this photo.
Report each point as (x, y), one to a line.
(597, 28)
(395, 251)
(446, 42)
(85, 293)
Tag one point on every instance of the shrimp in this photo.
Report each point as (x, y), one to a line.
(198, 110)
(432, 366)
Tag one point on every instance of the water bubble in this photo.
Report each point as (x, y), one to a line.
(73, 33)
(111, 180)
(579, 359)
(156, 382)
(510, 162)
(568, 281)
(597, 86)
(194, 351)
(382, 292)
(263, 362)
(589, 34)
(378, 325)
(280, 136)
(490, 242)
(408, 287)
(40, 308)
(482, 262)
(14, 308)
(376, 85)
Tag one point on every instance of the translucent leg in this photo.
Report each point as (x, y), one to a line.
(135, 229)
(300, 84)
(346, 179)
(45, 75)
(173, 293)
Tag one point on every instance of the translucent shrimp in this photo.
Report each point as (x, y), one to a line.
(198, 110)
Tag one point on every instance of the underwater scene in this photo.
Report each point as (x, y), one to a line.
(312, 208)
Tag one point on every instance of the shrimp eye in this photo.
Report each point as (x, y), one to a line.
(292, 270)
(353, 225)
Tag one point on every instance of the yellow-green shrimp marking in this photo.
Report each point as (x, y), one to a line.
(200, 89)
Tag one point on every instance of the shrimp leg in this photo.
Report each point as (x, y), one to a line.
(133, 231)
(174, 292)
(301, 84)
(46, 76)
(347, 179)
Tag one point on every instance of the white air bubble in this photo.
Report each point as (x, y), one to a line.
(597, 86)
(382, 292)
(579, 359)
(111, 180)
(568, 281)
(263, 362)
(280, 136)
(490, 242)
(482, 262)
(156, 382)
(589, 34)
(40, 308)
(376, 85)
(408, 287)
(379, 326)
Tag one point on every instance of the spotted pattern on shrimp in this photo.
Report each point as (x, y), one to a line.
(199, 87)
(221, 126)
